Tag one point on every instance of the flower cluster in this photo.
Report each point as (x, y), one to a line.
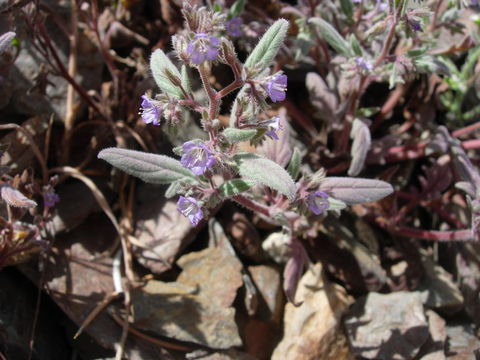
(203, 47)
(206, 41)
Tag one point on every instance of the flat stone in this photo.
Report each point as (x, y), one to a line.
(162, 232)
(312, 331)
(197, 307)
(462, 342)
(387, 326)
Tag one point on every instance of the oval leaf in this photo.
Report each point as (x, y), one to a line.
(15, 198)
(294, 165)
(234, 135)
(360, 146)
(355, 190)
(163, 70)
(151, 168)
(235, 187)
(6, 41)
(334, 39)
(268, 173)
(268, 46)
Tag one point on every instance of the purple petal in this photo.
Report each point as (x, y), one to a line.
(317, 202)
(190, 208)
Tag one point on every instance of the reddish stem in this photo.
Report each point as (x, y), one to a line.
(441, 236)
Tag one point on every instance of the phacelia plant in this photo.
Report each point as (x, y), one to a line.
(214, 170)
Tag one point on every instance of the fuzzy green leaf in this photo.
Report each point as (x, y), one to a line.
(235, 187)
(268, 173)
(234, 135)
(237, 8)
(268, 46)
(334, 39)
(164, 71)
(347, 8)
(355, 190)
(151, 168)
(186, 81)
(294, 165)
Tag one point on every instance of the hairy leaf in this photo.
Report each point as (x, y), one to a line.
(360, 146)
(268, 173)
(347, 8)
(268, 46)
(334, 39)
(6, 41)
(237, 8)
(186, 81)
(235, 135)
(15, 198)
(321, 96)
(278, 150)
(294, 270)
(431, 65)
(235, 187)
(164, 71)
(151, 168)
(294, 165)
(355, 190)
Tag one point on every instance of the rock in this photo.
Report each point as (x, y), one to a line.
(34, 90)
(312, 331)
(17, 311)
(268, 282)
(78, 277)
(76, 204)
(389, 327)
(434, 348)
(197, 307)
(162, 232)
(277, 248)
(438, 289)
(462, 342)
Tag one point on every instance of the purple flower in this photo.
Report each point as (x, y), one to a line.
(50, 198)
(202, 48)
(197, 157)
(234, 27)
(415, 25)
(363, 64)
(150, 111)
(276, 87)
(273, 126)
(317, 202)
(190, 208)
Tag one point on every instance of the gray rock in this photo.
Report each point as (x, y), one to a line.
(197, 307)
(389, 327)
(461, 342)
(267, 279)
(162, 232)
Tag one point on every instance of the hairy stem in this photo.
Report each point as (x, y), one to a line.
(252, 205)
